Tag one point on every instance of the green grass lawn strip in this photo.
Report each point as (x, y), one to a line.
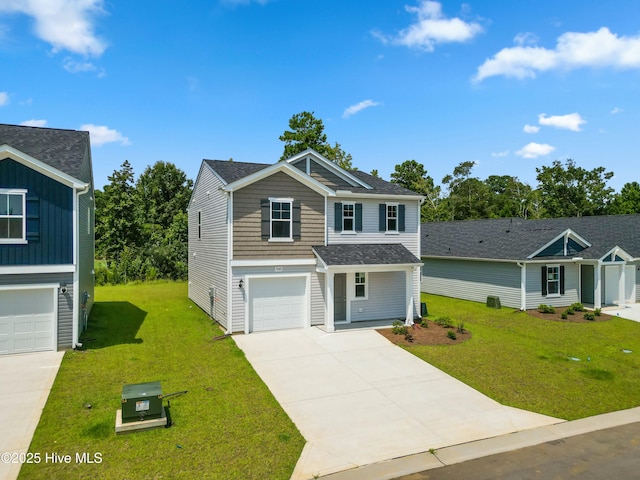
(228, 425)
(523, 361)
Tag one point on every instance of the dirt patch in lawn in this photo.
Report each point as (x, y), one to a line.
(434, 334)
(577, 317)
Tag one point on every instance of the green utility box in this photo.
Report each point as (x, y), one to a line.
(141, 401)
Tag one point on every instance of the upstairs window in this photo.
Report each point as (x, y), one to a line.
(348, 217)
(12, 216)
(281, 219)
(392, 217)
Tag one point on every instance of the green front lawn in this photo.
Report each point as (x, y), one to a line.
(228, 425)
(526, 362)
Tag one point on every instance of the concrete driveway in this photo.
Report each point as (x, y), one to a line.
(358, 399)
(630, 311)
(25, 384)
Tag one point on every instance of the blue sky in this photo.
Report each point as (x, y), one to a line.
(509, 85)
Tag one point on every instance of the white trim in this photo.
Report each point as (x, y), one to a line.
(47, 170)
(366, 268)
(379, 196)
(329, 165)
(229, 293)
(343, 231)
(366, 285)
(42, 286)
(388, 231)
(247, 296)
(616, 252)
(568, 233)
(25, 269)
(272, 262)
(280, 167)
(559, 293)
(23, 193)
(281, 200)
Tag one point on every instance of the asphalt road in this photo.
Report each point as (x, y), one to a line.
(613, 453)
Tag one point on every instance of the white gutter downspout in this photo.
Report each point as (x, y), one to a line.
(229, 257)
(76, 270)
(523, 285)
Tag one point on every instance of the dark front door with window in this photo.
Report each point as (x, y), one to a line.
(340, 297)
(586, 284)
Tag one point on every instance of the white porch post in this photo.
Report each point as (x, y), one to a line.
(597, 281)
(621, 286)
(328, 322)
(523, 286)
(409, 296)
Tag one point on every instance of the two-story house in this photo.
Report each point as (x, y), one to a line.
(301, 242)
(46, 238)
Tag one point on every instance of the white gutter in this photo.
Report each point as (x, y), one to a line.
(76, 271)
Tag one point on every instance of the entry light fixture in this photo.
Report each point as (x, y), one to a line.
(63, 288)
(241, 284)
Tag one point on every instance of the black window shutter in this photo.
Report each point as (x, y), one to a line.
(382, 217)
(561, 279)
(338, 217)
(297, 223)
(265, 210)
(544, 281)
(401, 218)
(33, 217)
(358, 217)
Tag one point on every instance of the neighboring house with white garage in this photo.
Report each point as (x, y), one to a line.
(557, 261)
(46, 238)
(301, 242)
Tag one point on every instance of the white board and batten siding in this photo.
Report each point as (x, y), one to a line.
(473, 280)
(208, 254)
(299, 274)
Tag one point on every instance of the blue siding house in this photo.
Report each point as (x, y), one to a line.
(46, 238)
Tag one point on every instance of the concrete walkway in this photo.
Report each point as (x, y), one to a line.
(26, 381)
(630, 311)
(358, 399)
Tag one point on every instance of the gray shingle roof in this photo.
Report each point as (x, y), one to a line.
(365, 254)
(516, 238)
(232, 171)
(64, 150)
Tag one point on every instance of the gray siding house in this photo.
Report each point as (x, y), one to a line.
(301, 242)
(46, 238)
(559, 261)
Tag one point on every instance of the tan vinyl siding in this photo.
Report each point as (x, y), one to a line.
(473, 280)
(208, 254)
(370, 225)
(321, 174)
(247, 240)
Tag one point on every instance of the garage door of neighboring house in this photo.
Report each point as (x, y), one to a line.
(27, 320)
(277, 303)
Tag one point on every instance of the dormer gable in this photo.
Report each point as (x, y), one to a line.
(567, 244)
(325, 171)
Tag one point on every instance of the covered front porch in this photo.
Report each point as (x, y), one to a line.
(364, 283)
(610, 280)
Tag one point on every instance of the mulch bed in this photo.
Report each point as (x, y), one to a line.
(577, 317)
(434, 334)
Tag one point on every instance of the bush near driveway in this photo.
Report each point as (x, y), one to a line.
(228, 425)
(531, 363)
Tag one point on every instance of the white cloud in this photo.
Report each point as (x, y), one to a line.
(525, 38)
(353, 109)
(573, 50)
(531, 129)
(500, 154)
(101, 134)
(65, 24)
(4, 98)
(616, 110)
(34, 123)
(535, 150)
(571, 121)
(78, 67)
(431, 27)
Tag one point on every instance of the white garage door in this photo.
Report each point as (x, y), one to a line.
(277, 303)
(27, 320)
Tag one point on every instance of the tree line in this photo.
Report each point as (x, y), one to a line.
(142, 227)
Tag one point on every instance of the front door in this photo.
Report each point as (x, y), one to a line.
(340, 297)
(587, 284)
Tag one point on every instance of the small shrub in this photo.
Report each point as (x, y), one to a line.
(424, 323)
(542, 308)
(399, 328)
(408, 336)
(597, 312)
(571, 311)
(589, 316)
(451, 334)
(444, 322)
(578, 307)
(564, 315)
(460, 327)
